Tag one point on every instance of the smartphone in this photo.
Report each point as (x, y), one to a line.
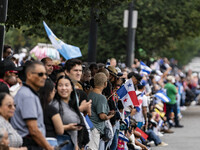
(82, 125)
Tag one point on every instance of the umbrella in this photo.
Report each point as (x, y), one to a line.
(42, 50)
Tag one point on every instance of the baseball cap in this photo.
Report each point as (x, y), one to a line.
(136, 75)
(8, 65)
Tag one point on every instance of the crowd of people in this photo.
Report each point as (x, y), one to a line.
(76, 105)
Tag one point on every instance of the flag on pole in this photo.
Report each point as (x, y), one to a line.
(66, 50)
(127, 94)
(162, 96)
(145, 68)
(123, 137)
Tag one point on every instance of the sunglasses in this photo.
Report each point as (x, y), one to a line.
(40, 74)
(10, 106)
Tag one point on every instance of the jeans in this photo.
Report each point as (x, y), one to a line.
(153, 137)
(183, 96)
(115, 141)
(102, 145)
(178, 103)
(173, 107)
(63, 138)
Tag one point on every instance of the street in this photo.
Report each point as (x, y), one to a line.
(186, 138)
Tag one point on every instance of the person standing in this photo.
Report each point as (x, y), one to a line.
(28, 117)
(48, 64)
(100, 111)
(172, 105)
(66, 103)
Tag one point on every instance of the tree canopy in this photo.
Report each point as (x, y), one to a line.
(165, 28)
(65, 12)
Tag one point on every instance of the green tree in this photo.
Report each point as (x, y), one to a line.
(65, 12)
(163, 26)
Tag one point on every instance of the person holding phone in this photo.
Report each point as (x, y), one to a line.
(65, 102)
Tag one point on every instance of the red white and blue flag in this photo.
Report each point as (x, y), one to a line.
(127, 94)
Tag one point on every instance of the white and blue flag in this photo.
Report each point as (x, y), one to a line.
(145, 68)
(123, 137)
(162, 96)
(66, 50)
(127, 120)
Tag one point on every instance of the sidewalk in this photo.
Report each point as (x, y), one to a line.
(186, 138)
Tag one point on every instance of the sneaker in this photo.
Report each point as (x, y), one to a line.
(160, 134)
(179, 126)
(168, 131)
(162, 144)
(180, 116)
(193, 103)
(151, 143)
(183, 108)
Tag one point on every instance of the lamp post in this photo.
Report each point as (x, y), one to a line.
(92, 38)
(130, 21)
(3, 17)
(2, 29)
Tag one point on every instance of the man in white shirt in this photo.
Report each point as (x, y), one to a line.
(141, 114)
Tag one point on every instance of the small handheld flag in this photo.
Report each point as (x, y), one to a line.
(127, 94)
(162, 96)
(127, 120)
(145, 68)
(123, 137)
(143, 134)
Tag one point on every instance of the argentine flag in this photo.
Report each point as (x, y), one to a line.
(145, 68)
(66, 50)
(162, 96)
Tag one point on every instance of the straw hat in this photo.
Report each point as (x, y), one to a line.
(159, 106)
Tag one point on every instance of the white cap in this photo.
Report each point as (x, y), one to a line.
(24, 50)
(171, 78)
(16, 56)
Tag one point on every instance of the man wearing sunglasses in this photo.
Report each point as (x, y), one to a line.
(28, 117)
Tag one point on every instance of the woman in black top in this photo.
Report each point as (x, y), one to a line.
(52, 119)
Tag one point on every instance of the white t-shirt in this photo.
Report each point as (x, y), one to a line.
(143, 103)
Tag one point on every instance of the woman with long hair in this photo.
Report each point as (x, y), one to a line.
(52, 119)
(66, 101)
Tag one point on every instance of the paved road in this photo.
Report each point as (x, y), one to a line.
(187, 138)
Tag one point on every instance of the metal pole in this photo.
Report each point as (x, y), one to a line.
(133, 46)
(92, 38)
(129, 54)
(2, 30)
